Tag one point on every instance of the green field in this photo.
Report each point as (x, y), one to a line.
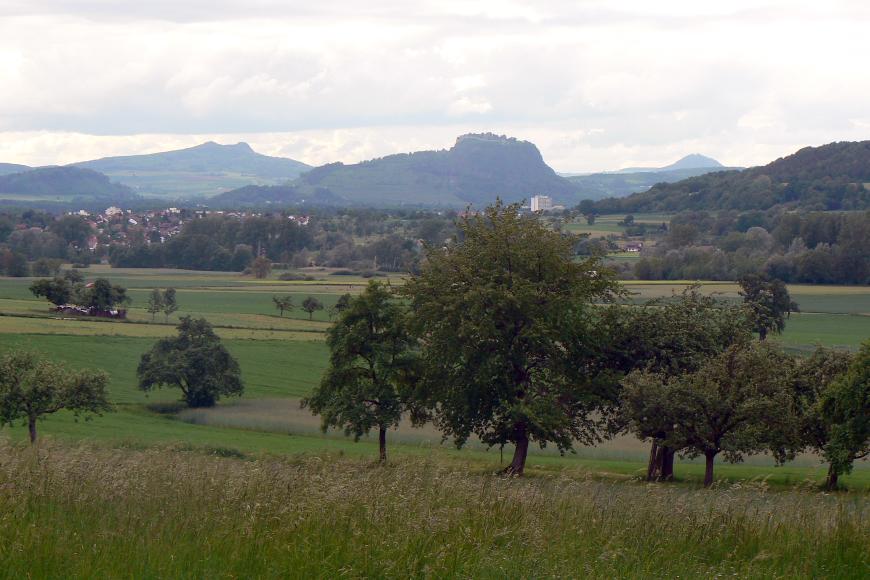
(282, 358)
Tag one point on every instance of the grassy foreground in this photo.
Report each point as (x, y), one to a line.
(85, 511)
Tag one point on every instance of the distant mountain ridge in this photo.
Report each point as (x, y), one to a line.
(205, 169)
(835, 176)
(476, 170)
(8, 168)
(691, 161)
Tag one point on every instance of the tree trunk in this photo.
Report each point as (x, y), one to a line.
(667, 463)
(708, 472)
(653, 468)
(521, 450)
(382, 442)
(833, 476)
(31, 426)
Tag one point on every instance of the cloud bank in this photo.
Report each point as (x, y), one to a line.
(595, 84)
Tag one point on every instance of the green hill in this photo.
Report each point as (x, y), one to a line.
(9, 168)
(831, 177)
(62, 184)
(204, 170)
(259, 196)
(476, 170)
(602, 185)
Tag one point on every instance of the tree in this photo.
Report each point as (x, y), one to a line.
(342, 303)
(32, 387)
(103, 295)
(195, 361)
(767, 301)
(812, 378)
(170, 303)
(370, 362)
(845, 409)
(504, 318)
(261, 266)
(283, 303)
(669, 338)
(311, 305)
(155, 302)
(57, 290)
(736, 403)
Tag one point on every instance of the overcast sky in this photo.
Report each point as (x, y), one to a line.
(595, 84)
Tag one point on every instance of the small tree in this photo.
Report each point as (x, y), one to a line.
(103, 295)
(195, 361)
(283, 303)
(845, 409)
(170, 304)
(58, 291)
(261, 266)
(311, 305)
(736, 403)
(768, 302)
(370, 361)
(155, 302)
(32, 387)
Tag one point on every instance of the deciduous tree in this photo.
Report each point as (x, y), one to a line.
(283, 303)
(170, 302)
(195, 361)
(155, 302)
(845, 409)
(32, 387)
(311, 305)
(768, 303)
(371, 361)
(504, 318)
(738, 402)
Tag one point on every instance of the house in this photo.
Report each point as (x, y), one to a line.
(633, 247)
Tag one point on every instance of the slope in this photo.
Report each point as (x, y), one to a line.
(476, 170)
(205, 169)
(63, 184)
(830, 177)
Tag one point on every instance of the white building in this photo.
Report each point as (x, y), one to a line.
(113, 211)
(542, 203)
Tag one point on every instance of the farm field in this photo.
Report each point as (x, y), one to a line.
(282, 359)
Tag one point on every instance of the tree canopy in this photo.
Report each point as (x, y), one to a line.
(32, 386)
(737, 402)
(504, 319)
(371, 363)
(768, 302)
(195, 361)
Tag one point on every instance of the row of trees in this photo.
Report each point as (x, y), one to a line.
(504, 337)
(70, 288)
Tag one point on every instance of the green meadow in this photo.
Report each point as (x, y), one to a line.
(282, 358)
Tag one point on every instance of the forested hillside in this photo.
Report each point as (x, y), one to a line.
(63, 182)
(205, 169)
(477, 169)
(831, 177)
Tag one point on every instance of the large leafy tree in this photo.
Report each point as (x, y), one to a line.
(371, 361)
(504, 318)
(768, 302)
(738, 402)
(195, 361)
(845, 409)
(32, 387)
(812, 380)
(670, 338)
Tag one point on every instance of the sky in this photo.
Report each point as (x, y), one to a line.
(595, 84)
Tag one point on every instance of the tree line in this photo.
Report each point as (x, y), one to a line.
(507, 338)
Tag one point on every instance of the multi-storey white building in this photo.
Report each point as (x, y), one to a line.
(542, 203)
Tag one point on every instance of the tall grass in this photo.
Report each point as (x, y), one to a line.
(80, 511)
